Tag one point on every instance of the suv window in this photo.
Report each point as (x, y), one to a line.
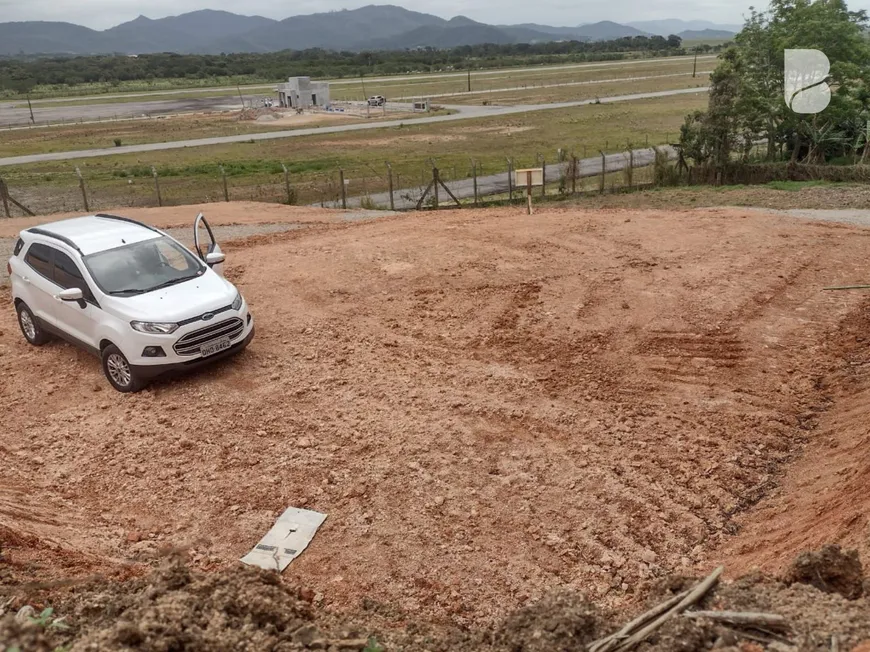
(39, 258)
(18, 247)
(67, 275)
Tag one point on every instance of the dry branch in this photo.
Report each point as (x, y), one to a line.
(743, 618)
(609, 642)
(640, 628)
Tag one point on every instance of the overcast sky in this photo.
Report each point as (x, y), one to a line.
(100, 14)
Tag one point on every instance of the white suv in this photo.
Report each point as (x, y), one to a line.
(130, 294)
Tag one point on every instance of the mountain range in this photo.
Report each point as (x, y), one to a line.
(368, 28)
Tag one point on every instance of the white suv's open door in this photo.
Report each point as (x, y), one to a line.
(204, 242)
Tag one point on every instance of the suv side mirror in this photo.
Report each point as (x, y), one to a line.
(214, 258)
(73, 294)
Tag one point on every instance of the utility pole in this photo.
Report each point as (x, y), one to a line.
(30, 106)
(469, 80)
(695, 65)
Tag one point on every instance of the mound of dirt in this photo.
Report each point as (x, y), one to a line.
(830, 570)
(175, 608)
(241, 608)
(559, 622)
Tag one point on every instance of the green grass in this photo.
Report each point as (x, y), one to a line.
(64, 138)
(192, 174)
(793, 186)
(231, 95)
(134, 86)
(249, 83)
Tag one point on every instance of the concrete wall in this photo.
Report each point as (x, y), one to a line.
(301, 92)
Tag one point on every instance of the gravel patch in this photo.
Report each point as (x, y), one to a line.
(854, 216)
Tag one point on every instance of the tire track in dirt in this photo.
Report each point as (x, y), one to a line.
(476, 436)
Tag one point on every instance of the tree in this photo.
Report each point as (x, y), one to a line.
(751, 75)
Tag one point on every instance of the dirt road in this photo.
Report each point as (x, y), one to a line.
(487, 405)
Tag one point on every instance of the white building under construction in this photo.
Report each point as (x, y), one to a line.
(302, 93)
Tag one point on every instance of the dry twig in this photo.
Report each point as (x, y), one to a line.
(643, 626)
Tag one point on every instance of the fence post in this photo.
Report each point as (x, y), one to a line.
(3, 195)
(574, 175)
(603, 171)
(343, 188)
(474, 176)
(224, 180)
(390, 178)
(510, 180)
(84, 190)
(157, 186)
(435, 183)
(287, 185)
(543, 177)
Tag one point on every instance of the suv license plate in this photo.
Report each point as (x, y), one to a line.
(215, 347)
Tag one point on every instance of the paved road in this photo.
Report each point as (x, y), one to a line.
(463, 113)
(497, 184)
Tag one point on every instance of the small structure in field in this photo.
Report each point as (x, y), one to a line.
(302, 93)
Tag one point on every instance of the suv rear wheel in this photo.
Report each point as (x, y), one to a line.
(30, 327)
(118, 371)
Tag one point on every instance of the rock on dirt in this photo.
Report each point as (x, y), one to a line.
(831, 570)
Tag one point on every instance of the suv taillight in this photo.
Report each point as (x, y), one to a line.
(9, 269)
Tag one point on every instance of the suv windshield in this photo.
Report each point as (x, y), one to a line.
(143, 267)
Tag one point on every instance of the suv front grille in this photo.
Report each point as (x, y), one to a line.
(191, 343)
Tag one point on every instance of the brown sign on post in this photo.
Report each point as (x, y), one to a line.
(529, 178)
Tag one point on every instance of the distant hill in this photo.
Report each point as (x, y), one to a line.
(460, 31)
(606, 30)
(676, 26)
(368, 28)
(705, 35)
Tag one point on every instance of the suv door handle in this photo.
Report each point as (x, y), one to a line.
(25, 279)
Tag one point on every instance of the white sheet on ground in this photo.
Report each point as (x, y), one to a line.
(290, 535)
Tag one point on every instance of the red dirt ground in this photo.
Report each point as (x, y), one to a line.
(487, 405)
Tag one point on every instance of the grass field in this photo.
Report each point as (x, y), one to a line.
(98, 135)
(582, 91)
(254, 169)
(487, 81)
(403, 85)
(528, 87)
(219, 85)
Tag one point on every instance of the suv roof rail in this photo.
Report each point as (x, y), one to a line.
(109, 216)
(48, 234)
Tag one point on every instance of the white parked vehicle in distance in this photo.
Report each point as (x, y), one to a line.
(129, 293)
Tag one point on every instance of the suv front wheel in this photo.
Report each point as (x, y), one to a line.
(30, 327)
(118, 371)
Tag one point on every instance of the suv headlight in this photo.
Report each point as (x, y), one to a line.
(159, 328)
(237, 302)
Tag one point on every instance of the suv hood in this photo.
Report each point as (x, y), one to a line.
(177, 302)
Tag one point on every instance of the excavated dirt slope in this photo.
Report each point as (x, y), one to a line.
(487, 405)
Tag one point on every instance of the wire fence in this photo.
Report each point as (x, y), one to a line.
(395, 185)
